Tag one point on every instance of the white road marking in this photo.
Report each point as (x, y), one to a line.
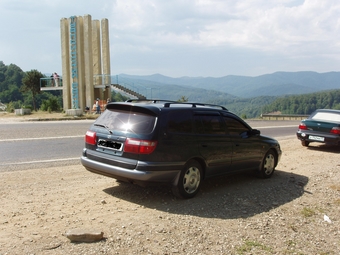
(276, 127)
(41, 138)
(40, 161)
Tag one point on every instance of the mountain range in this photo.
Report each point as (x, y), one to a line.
(232, 86)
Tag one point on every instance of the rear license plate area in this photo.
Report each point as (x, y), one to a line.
(111, 145)
(316, 138)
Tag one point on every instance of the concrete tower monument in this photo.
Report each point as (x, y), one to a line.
(85, 50)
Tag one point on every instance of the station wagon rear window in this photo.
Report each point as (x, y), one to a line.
(326, 116)
(127, 121)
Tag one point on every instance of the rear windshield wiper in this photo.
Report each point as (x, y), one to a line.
(104, 126)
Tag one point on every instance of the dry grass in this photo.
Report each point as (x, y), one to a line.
(41, 115)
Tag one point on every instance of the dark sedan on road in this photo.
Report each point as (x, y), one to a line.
(322, 126)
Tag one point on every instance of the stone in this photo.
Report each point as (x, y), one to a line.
(84, 235)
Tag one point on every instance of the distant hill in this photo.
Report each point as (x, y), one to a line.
(275, 84)
(156, 89)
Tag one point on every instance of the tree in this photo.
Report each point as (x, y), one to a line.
(31, 83)
(117, 97)
(183, 99)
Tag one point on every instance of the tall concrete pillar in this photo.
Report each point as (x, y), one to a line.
(97, 61)
(74, 45)
(65, 60)
(81, 59)
(106, 56)
(88, 61)
(97, 65)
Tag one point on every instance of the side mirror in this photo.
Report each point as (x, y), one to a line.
(255, 132)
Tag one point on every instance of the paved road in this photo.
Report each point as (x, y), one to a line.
(35, 144)
(276, 129)
(27, 145)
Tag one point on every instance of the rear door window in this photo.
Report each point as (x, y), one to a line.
(179, 122)
(210, 124)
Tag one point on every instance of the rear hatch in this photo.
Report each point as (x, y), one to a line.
(323, 121)
(319, 126)
(121, 134)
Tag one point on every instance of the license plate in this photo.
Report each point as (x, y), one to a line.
(317, 138)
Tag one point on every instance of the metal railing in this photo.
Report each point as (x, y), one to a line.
(147, 92)
(101, 80)
(51, 83)
(284, 116)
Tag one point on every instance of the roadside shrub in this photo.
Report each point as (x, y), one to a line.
(50, 104)
(13, 105)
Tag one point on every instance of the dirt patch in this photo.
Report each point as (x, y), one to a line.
(231, 215)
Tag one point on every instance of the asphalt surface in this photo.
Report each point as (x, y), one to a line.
(33, 144)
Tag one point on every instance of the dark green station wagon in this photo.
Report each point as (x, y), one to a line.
(180, 144)
(322, 126)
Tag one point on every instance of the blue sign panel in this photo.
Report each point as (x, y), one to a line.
(74, 63)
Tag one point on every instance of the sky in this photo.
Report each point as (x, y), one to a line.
(176, 38)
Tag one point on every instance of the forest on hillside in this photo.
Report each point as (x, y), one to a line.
(13, 95)
(305, 104)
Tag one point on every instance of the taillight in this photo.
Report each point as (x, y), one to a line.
(303, 126)
(91, 137)
(335, 130)
(139, 146)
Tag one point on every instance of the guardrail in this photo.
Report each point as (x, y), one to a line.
(284, 116)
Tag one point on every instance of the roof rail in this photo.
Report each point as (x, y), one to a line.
(195, 105)
(167, 103)
(149, 100)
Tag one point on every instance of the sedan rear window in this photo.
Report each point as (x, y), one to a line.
(132, 122)
(326, 116)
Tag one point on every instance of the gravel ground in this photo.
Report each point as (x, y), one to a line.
(231, 215)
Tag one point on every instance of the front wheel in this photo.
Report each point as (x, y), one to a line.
(268, 165)
(189, 181)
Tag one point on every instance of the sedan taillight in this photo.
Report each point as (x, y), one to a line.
(91, 137)
(335, 130)
(139, 146)
(303, 126)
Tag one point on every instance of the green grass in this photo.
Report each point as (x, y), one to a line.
(307, 212)
(249, 245)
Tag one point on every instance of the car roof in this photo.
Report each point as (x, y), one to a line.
(328, 110)
(152, 104)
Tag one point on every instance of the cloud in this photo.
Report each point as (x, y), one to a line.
(286, 26)
(182, 37)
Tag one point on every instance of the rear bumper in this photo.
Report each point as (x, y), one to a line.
(140, 177)
(326, 139)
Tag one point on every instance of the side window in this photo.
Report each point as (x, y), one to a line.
(179, 122)
(234, 126)
(209, 124)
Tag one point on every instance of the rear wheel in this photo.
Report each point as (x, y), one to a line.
(189, 181)
(268, 165)
(305, 143)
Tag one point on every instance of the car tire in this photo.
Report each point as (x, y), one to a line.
(189, 181)
(305, 143)
(268, 165)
